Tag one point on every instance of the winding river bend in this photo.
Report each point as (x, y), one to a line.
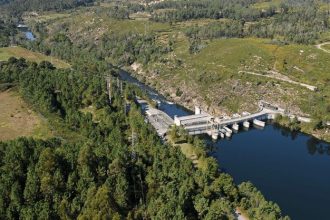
(291, 169)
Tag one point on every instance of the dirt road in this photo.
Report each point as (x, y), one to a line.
(319, 46)
(279, 76)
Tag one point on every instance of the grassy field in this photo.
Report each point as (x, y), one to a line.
(213, 74)
(45, 17)
(326, 46)
(190, 152)
(7, 52)
(140, 16)
(300, 62)
(325, 6)
(211, 77)
(267, 4)
(17, 119)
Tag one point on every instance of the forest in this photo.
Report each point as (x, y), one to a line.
(17, 7)
(115, 166)
(7, 30)
(117, 169)
(124, 49)
(185, 10)
(292, 21)
(152, 43)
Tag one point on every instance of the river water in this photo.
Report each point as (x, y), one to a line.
(27, 32)
(29, 36)
(291, 169)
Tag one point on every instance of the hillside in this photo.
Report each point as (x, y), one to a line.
(17, 7)
(17, 119)
(7, 52)
(87, 151)
(216, 63)
(113, 165)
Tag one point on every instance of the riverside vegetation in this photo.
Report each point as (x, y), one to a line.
(113, 165)
(201, 52)
(105, 163)
(102, 162)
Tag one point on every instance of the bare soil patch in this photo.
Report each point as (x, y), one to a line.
(17, 119)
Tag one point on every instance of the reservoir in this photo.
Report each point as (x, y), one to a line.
(289, 168)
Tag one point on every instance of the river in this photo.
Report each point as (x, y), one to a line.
(27, 32)
(289, 168)
(29, 36)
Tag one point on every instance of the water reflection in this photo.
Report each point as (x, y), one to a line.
(286, 132)
(317, 147)
(275, 160)
(285, 166)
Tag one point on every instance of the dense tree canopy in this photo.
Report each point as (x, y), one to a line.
(299, 21)
(193, 9)
(124, 49)
(117, 167)
(105, 174)
(7, 33)
(17, 7)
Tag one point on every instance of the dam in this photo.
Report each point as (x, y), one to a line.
(204, 123)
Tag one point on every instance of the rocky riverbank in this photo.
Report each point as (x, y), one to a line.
(187, 95)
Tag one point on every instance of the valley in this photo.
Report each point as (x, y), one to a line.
(77, 142)
(214, 76)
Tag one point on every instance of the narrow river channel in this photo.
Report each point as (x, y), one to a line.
(27, 32)
(291, 169)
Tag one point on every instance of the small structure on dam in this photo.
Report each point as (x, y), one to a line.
(204, 123)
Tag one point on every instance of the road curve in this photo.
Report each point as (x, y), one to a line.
(319, 46)
(282, 78)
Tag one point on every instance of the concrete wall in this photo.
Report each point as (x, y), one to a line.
(177, 122)
(198, 110)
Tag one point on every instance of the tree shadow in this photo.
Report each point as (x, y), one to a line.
(317, 147)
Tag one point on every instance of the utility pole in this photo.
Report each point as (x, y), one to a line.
(133, 144)
(108, 79)
(133, 157)
(12, 39)
(133, 138)
(146, 27)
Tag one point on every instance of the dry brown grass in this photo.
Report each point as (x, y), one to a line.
(17, 119)
(7, 52)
